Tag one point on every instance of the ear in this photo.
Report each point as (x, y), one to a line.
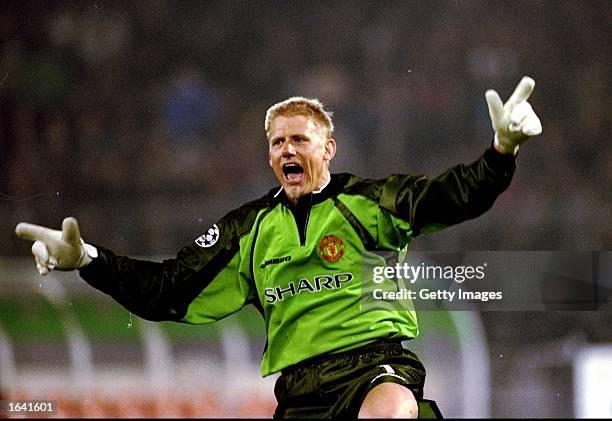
(330, 149)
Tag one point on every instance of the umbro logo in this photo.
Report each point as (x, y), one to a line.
(274, 261)
(210, 238)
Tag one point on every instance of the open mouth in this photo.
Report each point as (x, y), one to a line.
(293, 173)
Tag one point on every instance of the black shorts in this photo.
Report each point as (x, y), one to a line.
(335, 385)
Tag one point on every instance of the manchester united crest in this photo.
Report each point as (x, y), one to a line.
(331, 248)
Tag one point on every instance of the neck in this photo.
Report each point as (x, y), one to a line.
(324, 182)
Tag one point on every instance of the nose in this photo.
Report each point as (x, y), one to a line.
(288, 149)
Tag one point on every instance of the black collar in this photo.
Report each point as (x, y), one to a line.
(336, 185)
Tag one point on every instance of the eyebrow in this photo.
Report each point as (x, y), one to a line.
(274, 139)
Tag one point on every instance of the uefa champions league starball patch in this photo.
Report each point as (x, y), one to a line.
(210, 238)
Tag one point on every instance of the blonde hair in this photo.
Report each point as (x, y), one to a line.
(308, 107)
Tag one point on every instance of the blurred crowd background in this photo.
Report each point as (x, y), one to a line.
(144, 120)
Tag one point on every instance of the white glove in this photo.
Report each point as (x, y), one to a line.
(52, 249)
(515, 121)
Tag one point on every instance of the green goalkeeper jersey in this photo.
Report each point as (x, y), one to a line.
(301, 266)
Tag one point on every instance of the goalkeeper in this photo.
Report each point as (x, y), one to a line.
(295, 255)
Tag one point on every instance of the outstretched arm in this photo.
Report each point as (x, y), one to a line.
(204, 283)
(148, 289)
(466, 191)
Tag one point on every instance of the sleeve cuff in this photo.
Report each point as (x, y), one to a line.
(91, 273)
(499, 162)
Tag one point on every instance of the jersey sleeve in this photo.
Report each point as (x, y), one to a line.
(204, 283)
(462, 192)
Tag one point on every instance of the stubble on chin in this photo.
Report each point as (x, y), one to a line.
(293, 193)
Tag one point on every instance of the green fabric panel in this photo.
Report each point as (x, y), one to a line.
(389, 231)
(367, 238)
(228, 292)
